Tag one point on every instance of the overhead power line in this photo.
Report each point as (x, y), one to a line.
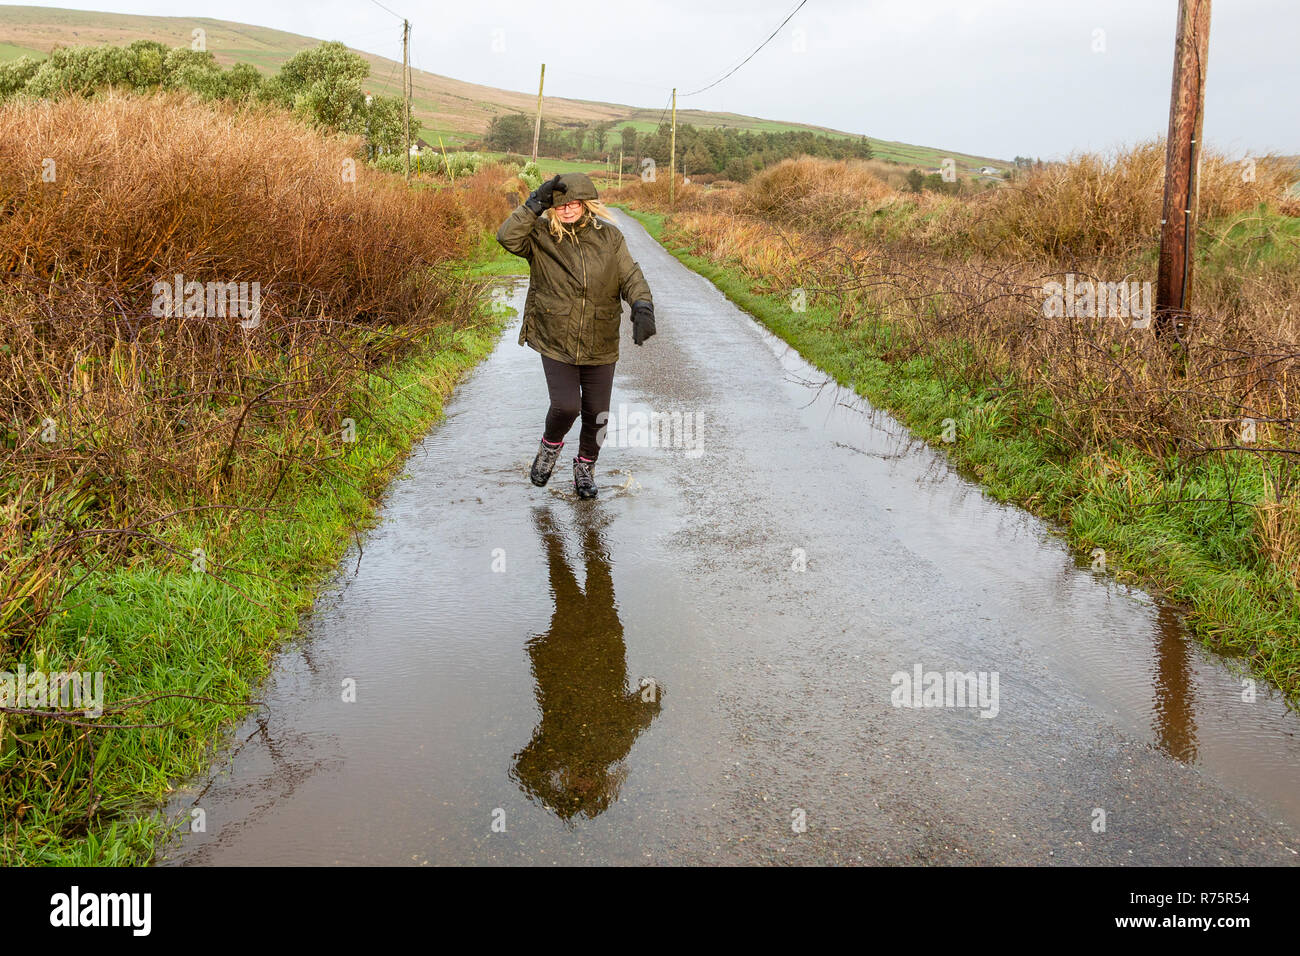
(386, 10)
(662, 112)
(751, 56)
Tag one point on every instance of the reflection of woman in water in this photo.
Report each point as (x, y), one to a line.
(590, 716)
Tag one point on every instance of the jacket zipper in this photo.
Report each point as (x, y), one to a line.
(582, 314)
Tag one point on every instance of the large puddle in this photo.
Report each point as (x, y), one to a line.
(675, 670)
(1135, 662)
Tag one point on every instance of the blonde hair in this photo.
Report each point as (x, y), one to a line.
(593, 210)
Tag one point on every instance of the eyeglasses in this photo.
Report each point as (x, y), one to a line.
(569, 205)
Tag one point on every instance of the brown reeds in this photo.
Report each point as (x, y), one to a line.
(963, 281)
(119, 413)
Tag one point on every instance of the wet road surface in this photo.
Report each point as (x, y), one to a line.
(711, 661)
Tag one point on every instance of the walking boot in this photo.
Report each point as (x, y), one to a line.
(584, 483)
(544, 463)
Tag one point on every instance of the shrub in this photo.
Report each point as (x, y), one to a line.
(146, 188)
(811, 192)
(531, 175)
(1096, 205)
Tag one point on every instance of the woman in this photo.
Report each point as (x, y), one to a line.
(578, 269)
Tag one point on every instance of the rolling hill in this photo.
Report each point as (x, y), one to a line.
(456, 110)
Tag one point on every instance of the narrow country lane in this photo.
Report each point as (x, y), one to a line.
(698, 666)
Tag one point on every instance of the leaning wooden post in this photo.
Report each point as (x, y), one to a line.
(1182, 165)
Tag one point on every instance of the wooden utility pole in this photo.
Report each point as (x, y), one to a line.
(620, 166)
(672, 155)
(1182, 164)
(537, 126)
(406, 93)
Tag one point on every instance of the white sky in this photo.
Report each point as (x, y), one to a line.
(991, 77)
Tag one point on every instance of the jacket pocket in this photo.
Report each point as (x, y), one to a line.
(550, 302)
(552, 326)
(606, 330)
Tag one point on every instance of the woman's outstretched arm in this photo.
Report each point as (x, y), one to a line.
(516, 233)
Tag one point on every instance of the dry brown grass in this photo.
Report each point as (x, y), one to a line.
(1096, 384)
(1277, 529)
(1238, 359)
(654, 195)
(971, 271)
(812, 193)
(149, 414)
(1106, 206)
(491, 194)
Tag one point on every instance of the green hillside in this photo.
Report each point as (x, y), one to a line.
(450, 108)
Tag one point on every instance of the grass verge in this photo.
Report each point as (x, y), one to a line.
(156, 627)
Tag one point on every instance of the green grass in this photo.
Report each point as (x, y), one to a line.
(1202, 556)
(550, 167)
(1249, 241)
(9, 51)
(490, 259)
(157, 626)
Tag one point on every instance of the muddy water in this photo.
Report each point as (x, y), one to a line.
(703, 664)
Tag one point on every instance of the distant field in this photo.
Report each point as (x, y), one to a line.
(550, 167)
(450, 108)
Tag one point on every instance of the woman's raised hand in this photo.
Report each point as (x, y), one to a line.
(544, 195)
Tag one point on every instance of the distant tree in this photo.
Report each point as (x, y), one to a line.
(188, 69)
(243, 80)
(655, 145)
(936, 183)
(147, 71)
(628, 138)
(323, 85)
(716, 144)
(600, 133)
(80, 71)
(698, 160)
(510, 133)
(737, 169)
(383, 125)
(915, 180)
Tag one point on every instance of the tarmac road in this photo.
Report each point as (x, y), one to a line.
(708, 664)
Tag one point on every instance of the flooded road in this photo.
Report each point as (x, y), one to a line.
(714, 660)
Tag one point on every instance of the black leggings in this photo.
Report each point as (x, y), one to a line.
(577, 389)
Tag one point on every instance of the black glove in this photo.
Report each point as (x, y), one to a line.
(643, 320)
(541, 198)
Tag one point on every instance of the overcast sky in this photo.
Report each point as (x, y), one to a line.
(991, 77)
